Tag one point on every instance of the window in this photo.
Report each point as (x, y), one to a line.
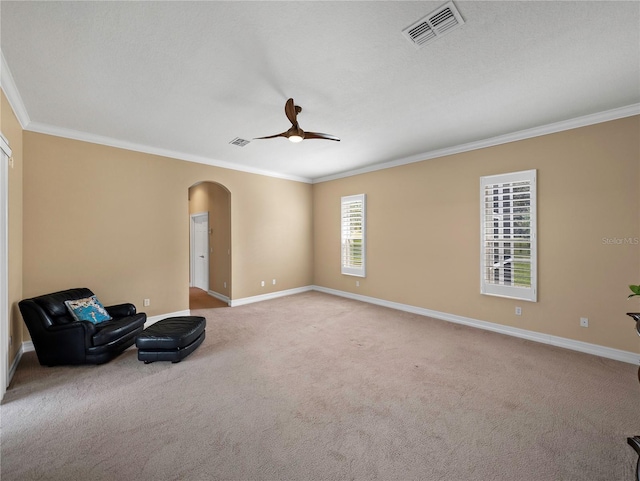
(353, 235)
(508, 235)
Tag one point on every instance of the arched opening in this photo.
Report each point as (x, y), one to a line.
(209, 245)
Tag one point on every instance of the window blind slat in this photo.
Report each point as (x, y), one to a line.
(353, 235)
(507, 228)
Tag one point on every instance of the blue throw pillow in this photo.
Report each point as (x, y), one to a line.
(88, 309)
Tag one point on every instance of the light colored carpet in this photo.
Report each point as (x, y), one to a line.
(316, 387)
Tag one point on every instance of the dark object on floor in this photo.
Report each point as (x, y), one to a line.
(636, 317)
(171, 339)
(634, 442)
(58, 338)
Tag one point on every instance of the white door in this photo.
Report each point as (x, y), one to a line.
(200, 251)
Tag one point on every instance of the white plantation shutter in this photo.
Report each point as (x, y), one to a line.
(353, 233)
(508, 247)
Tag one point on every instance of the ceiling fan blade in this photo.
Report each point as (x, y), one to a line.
(292, 112)
(283, 134)
(318, 135)
(295, 133)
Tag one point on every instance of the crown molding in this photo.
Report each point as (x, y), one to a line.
(584, 121)
(13, 95)
(15, 100)
(47, 129)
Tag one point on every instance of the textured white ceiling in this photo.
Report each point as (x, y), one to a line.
(188, 77)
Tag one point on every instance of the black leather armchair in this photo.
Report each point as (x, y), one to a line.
(634, 442)
(59, 339)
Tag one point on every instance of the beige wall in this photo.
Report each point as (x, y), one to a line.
(220, 240)
(117, 221)
(214, 199)
(11, 129)
(423, 233)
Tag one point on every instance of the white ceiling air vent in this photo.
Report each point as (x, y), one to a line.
(436, 24)
(239, 142)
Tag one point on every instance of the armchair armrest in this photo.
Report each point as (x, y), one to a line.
(121, 310)
(77, 333)
(64, 343)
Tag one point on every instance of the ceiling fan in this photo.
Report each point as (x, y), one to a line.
(295, 133)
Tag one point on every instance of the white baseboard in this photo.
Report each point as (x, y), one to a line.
(271, 295)
(27, 346)
(153, 319)
(219, 296)
(595, 349)
(16, 361)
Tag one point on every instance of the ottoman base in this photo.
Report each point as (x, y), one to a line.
(173, 355)
(171, 339)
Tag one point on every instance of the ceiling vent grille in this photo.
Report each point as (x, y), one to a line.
(434, 25)
(239, 142)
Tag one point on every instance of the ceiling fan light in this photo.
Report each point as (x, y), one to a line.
(295, 138)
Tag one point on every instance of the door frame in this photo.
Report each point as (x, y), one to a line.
(192, 242)
(5, 155)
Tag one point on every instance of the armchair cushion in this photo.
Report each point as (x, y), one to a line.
(121, 310)
(88, 309)
(113, 330)
(54, 308)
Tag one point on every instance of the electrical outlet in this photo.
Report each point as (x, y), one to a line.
(262, 283)
(274, 282)
(225, 285)
(357, 283)
(584, 322)
(146, 302)
(518, 311)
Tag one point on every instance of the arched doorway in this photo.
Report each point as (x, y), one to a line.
(210, 245)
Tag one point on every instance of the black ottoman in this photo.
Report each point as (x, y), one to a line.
(171, 339)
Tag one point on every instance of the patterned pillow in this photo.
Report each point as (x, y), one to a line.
(88, 309)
